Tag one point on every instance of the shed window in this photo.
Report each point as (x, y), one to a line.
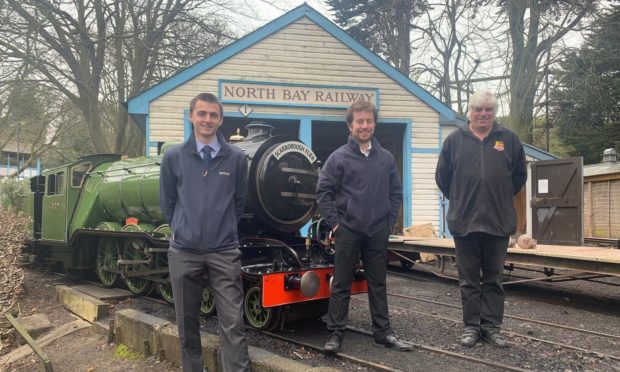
(78, 173)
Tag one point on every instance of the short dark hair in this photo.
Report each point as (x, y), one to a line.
(360, 106)
(206, 97)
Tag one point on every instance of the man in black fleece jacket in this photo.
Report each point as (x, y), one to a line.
(359, 194)
(481, 167)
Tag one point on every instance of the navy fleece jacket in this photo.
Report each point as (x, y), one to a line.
(203, 208)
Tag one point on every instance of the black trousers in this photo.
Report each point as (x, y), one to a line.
(223, 269)
(483, 298)
(373, 250)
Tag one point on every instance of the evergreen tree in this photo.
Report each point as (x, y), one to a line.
(382, 26)
(587, 103)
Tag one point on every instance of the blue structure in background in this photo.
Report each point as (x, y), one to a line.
(12, 159)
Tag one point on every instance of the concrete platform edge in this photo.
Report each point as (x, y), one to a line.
(154, 336)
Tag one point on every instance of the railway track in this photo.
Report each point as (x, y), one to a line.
(379, 364)
(611, 337)
(341, 355)
(515, 317)
(449, 353)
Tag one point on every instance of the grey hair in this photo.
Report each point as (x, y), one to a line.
(477, 98)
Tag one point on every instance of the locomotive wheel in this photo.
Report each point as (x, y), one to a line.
(138, 286)
(207, 306)
(164, 289)
(106, 264)
(257, 316)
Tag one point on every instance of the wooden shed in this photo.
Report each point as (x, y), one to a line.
(299, 73)
(602, 197)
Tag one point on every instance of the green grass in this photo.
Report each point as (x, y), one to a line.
(124, 352)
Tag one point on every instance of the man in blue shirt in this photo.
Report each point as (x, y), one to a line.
(203, 186)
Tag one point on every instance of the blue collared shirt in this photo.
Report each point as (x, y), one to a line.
(215, 146)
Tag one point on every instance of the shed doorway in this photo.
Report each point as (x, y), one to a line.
(327, 136)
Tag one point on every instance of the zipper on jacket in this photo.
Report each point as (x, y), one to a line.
(372, 209)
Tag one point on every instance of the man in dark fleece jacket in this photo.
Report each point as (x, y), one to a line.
(203, 186)
(481, 167)
(359, 194)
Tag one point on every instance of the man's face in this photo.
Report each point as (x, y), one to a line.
(206, 119)
(362, 127)
(481, 116)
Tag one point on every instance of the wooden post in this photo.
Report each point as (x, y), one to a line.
(47, 363)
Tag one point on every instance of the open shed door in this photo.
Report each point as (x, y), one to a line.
(557, 201)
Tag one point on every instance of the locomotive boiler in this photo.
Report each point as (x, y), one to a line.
(101, 214)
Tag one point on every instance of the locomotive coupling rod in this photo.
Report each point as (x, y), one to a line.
(132, 262)
(37, 350)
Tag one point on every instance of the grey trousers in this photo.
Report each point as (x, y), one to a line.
(483, 299)
(223, 270)
(373, 250)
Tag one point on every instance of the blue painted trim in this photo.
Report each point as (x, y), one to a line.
(537, 153)
(305, 131)
(305, 136)
(147, 136)
(285, 84)
(38, 166)
(423, 150)
(187, 126)
(140, 103)
(407, 181)
(153, 143)
(289, 104)
(281, 104)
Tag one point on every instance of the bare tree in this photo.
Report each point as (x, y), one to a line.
(452, 42)
(535, 26)
(69, 45)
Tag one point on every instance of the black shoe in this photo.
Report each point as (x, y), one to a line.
(470, 337)
(495, 339)
(391, 342)
(333, 344)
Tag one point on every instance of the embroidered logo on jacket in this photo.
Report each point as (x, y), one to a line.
(224, 173)
(499, 145)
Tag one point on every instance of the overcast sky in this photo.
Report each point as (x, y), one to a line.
(252, 14)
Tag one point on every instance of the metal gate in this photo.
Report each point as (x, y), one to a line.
(557, 201)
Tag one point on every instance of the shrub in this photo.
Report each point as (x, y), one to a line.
(13, 192)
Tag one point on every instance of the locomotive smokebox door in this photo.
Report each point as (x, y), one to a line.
(282, 181)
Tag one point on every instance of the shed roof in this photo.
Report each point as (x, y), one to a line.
(138, 106)
(601, 169)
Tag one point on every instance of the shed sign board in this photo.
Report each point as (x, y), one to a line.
(264, 93)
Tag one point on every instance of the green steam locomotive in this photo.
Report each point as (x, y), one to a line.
(100, 214)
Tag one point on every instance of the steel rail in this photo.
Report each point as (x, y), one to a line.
(515, 317)
(449, 353)
(553, 343)
(347, 357)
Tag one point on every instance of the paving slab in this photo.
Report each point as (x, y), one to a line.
(87, 307)
(102, 293)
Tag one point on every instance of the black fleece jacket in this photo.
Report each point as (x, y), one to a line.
(362, 193)
(480, 178)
